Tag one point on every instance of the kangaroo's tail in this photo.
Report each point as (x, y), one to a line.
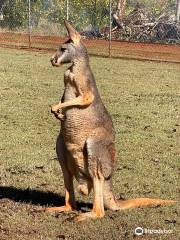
(143, 202)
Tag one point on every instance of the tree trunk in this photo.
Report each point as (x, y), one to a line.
(119, 14)
(121, 9)
(177, 10)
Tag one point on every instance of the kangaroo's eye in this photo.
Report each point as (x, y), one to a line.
(63, 49)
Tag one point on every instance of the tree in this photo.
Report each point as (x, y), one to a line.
(119, 13)
(178, 10)
(92, 13)
(14, 13)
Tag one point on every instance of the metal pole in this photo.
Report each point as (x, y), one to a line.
(67, 10)
(29, 23)
(110, 26)
(94, 14)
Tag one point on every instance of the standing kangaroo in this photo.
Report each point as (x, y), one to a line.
(85, 145)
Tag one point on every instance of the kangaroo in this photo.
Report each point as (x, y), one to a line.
(86, 142)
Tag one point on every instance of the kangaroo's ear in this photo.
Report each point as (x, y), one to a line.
(73, 34)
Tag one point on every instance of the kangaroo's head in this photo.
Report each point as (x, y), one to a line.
(72, 50)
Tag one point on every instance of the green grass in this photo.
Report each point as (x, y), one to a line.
(144, 101)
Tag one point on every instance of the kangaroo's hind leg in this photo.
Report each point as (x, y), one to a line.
(98, 206)
(100, 165)
(70, 203)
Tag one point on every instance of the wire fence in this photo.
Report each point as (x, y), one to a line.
(40, 23)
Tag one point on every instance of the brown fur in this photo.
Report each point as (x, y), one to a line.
(85, 146)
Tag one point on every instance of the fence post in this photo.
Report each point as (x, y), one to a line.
(1, 11)
(110, 26)
(67, 10)
(29, 23)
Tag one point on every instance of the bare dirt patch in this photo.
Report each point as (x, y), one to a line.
(119, 49)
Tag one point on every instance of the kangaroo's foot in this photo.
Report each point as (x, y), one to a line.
(59, 209)
(88, 215)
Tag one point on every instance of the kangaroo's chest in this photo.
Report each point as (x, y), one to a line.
(78, 120)
(70, 90)
(74, 85)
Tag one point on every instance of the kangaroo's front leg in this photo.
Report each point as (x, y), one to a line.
(82, 100)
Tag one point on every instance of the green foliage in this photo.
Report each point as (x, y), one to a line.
(15, 13)
(55, 11)
(94, 13)
(153, 6)
(83, 14)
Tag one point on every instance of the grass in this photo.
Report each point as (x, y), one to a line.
(143, 99)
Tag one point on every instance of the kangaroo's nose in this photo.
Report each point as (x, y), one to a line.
(52, 59)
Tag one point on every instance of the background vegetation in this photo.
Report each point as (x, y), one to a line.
(94, 13)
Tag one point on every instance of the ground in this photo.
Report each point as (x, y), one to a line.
(99, 47)
(143, 99)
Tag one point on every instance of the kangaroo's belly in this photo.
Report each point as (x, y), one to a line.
(78, 125)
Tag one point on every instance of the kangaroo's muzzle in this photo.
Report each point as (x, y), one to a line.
(55, 62)
(56, 59)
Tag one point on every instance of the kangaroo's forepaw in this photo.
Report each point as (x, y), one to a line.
(56, 112)
(61, 116)
(55, 108)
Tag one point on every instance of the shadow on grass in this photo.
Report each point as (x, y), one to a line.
(36, 197)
